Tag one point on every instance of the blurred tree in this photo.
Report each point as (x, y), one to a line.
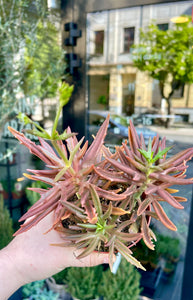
(44, 60)
(31, 59)
(6, 225)
(167, 56)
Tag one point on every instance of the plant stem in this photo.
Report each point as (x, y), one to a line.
(40, 128)
(56, 120)
(62, 155)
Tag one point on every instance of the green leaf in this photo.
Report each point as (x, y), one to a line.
(108, 212)
(22, 117)
(65, 92)
(61, 173)
(160, 154)
(89, 226)
(74, 209)
(74, 151)
(36, 132)
(65, 135)
(91, 247)
(126, 252)
(147, 154)
(96, 200)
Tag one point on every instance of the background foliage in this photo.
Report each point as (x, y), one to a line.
(31, 59)
(166, 56)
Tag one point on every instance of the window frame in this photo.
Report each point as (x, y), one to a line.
(124, 35)
(99, 53)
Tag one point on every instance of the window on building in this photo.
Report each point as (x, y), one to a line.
(99, 42)
(163, 27)
(179, 93)
(129, 33)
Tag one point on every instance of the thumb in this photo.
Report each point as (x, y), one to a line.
(94, 259)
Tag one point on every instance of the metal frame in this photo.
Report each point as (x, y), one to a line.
(76, 11)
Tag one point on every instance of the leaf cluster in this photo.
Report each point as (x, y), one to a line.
(124, 285)
(89, 283)
(31, 61)
(83, 283)
(104, 201)
(37, 291)
(165, 53)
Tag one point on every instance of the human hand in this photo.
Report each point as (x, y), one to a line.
(32, 257)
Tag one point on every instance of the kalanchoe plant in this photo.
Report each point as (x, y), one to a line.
(103, 201)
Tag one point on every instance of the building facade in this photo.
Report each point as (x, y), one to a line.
(114, 83)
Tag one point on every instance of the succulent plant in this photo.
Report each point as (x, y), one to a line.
(101, 200)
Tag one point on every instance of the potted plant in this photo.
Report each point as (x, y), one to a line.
(58, 284)
(149, 258)
(103, 201)
(4, 189)
(103, 101)
(17, 190)
(168, 247)
(6, 225)
(124, 285)
(37, 291)
(82, 283)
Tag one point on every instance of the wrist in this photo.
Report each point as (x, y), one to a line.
(10, 277)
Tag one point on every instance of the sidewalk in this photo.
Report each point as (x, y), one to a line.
(180, 132)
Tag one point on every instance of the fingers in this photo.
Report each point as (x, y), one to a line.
(94, 259)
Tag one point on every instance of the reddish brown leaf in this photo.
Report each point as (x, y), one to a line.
(146, 233)
(162, 216)
(144, 205)
(96, 145)
(169, 198)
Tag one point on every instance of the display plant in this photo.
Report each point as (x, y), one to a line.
(6, 225)
(124, 285)
(37, 291)
(58, 284)
(103, 201)
(83, 283)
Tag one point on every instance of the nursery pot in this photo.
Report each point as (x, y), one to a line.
(57, 288)
(4, 194)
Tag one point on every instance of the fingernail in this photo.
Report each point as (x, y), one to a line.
(106, 259)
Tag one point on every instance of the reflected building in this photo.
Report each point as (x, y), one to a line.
(113, 82)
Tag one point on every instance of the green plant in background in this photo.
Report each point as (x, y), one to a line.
(102, 100)
(44, 59)
(61, 277)
(31, 59)
(124, 285)
(32, 196)
(168, 247)
(82, 283)
(103, 201)
(148, 257)
(164, 56)
(37, 291)
(6, 225)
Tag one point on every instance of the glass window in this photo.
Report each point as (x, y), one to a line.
(163, 27)
(99, 42)
(129, 33)
(179, 93)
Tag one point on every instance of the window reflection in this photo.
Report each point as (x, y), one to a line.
(128, 38)
(118, 87)
(99, 41)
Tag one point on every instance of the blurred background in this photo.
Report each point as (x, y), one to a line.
(130, 59)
